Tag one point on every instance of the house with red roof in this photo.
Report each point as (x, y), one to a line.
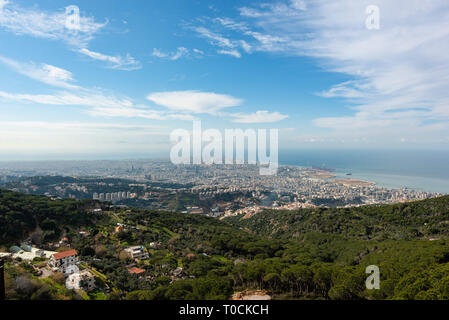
(137, 271)
(64, 262)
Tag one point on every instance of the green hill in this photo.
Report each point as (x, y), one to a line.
(306, 254)
(414, 220)
(20, 215)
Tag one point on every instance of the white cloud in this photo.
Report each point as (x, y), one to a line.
(158, 53)
(197, 102)
(229, 46)
(138, 112)
(44, 73)
(53, 26)
(77, 125)
(198, 51)
(299, 4)
(99, 102)
(232, 24)
(399, 73)
(194, 101)
(215, 38)
(180, 52)
(245, 46)
(81, 98)
(3, 3)
(47, 25)
(126, 63)
(233, 53)
(67, 138)
(258, 117)
(267, 42)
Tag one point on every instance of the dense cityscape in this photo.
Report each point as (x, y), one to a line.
(217, 190)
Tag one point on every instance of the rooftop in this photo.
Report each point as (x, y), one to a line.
(65, 254)
(136, 271)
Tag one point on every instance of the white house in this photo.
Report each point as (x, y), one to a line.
(64, 262)
(75, 281)
(137, 252)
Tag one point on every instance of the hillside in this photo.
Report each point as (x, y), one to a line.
(20, 215)
(310, 254)
(413, 220)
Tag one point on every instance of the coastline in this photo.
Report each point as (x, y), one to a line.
(396, 181)
(383, 180)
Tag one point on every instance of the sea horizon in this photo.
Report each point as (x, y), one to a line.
(414, 169)
(422, 170)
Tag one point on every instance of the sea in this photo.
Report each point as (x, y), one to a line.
(423, 170)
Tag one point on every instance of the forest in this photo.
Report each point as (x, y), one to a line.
(306, 254)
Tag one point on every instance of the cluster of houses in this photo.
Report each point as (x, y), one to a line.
(26, 252)
(67, 263)
(64, 262)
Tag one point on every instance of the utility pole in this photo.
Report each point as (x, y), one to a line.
(2, 280)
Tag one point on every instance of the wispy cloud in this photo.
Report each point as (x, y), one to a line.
(126, 63)
(180, 52)
(99, 102)
(261, 116)
(139, 112)
(78, 125)
(67, 138)
(228, 46)
(88, 99)
(53, 26)
(198, 51)
(399, 67)
(215, 38)
(43, 72)
(159, 54)
(49, 25)
(233, 53)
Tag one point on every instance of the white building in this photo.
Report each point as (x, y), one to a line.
(64, 262)
(81, 280)
(137, 252)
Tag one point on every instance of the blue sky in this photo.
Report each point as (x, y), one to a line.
(136, 70)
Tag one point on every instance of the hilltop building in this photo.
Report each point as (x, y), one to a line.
(81, 280)
(137, 252)
(64, 262)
